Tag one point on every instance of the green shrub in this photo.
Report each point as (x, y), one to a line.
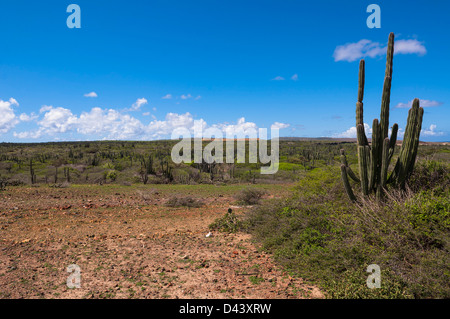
(320, 236)
(430, 175)
(229, 223)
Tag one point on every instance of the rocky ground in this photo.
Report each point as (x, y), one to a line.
(128, 244)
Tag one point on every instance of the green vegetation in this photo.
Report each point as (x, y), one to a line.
(228, 223)
(319, 236)
(315, 233)
(127, 163)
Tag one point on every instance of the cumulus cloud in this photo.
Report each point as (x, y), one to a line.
(110, 123)
(28, 118)
(366, 48)
(280, 126)
(137, 105)
(101, 123)
(294, 77)
(351, 132)
(8, 118)
(167, 97)
(423, 103)
(159, 129)
(28, 135)
(409, 47)
(45, 108)
(431, 131)
(92, 94)
(242, 127)
(58, 120)
(185, 97)
(278, 78)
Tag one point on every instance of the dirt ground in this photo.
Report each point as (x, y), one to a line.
(128, 244)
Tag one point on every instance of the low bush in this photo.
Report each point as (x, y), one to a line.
(250, 196)
(229, 223)
(184, 202)
(321, 236)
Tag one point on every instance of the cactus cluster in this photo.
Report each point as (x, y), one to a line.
(374, 158)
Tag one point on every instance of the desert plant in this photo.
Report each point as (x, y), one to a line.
(374, 159)
(228, 223)
(184, 202)
(3, 182)
(32, 174)
(250, 196)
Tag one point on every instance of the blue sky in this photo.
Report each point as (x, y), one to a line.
(138, 69)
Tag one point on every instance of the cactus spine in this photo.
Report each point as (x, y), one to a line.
(374, 159)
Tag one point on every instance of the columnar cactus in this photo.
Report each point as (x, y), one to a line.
(374, 158)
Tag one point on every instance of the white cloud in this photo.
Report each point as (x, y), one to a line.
(423, 103)
(28, 118)
(278, 78)
(111, 124)
(58, 120)
(55, 121)
(137, 105)
(431, 131)
(185, 97)
(8, 118)
(28, 135)
(294, 77)
(167, 97)
(280, 126)
(241, 127)
(92, 94)
(45, 108)
(351, 132)
(158, 129)
(13, 101)
(198, 97)
(409, 47)
(366, 48)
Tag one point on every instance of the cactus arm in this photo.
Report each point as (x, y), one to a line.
(363, 164)
(393, 140)
(375, 153)
(385, 99)
(416, 143)
(347, 185)
(352, 175)
(384, 163)
(350, 172)
(361, 80)
(359, 104)
(407, 150)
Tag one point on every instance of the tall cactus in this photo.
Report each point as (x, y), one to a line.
(374, 159)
